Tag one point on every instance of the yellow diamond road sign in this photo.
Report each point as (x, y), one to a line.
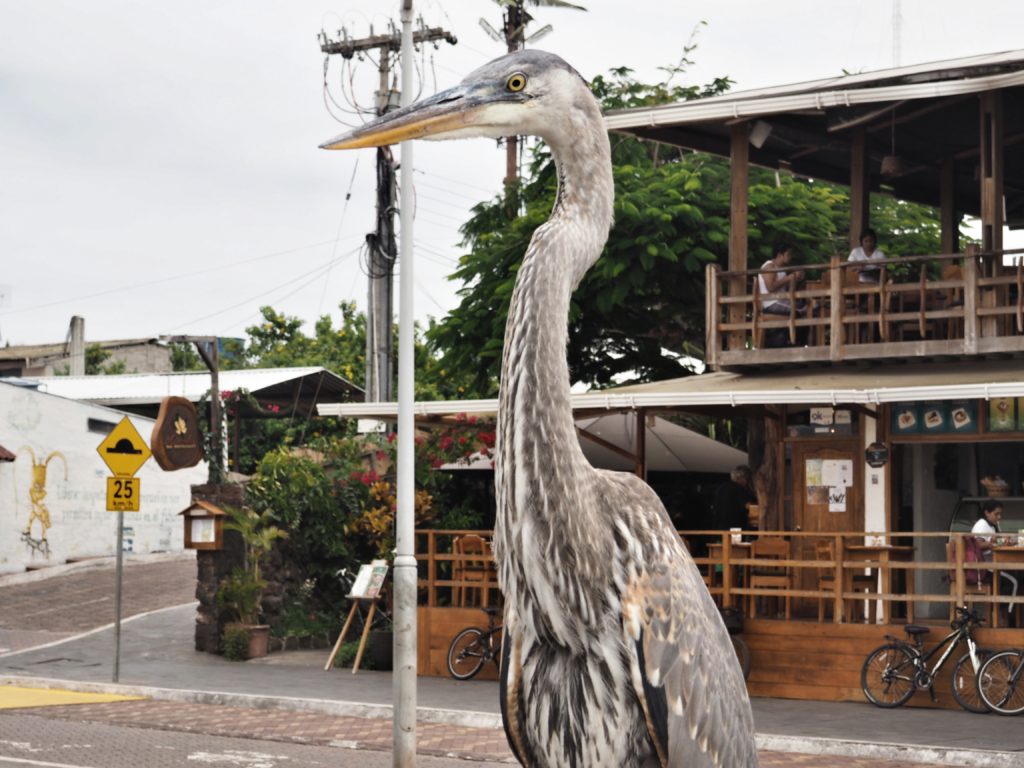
(124, 450)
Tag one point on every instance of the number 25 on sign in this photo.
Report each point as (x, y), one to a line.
(122, 494)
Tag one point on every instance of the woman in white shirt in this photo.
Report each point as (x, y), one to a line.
(986, 532)
(867, 253)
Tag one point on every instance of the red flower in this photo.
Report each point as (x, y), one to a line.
(472, 420)
(381, 455)
(393, 435)
(445, 442)
(462, 440)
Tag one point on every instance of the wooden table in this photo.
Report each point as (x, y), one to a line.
(1006, 554)
(737, 574)
(883, 554)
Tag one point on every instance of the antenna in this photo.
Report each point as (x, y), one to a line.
(491, 31)
(538, 34)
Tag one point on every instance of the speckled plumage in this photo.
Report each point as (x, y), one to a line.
(615, 656)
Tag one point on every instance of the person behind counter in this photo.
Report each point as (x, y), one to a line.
(731, 500)
(987, 534)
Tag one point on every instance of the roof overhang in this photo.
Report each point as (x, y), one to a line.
(927, 114)
(866, 385)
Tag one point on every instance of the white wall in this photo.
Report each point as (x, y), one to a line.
(80, 526)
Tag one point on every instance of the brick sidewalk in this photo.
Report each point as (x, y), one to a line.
(486, 744)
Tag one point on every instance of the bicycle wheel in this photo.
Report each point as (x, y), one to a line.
(965, 683)
(742, 655)
(466, 654)
(887, 677)
(1001, 682)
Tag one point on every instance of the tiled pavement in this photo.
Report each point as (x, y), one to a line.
(481, 744)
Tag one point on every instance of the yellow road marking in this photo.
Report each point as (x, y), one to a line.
(12, 697)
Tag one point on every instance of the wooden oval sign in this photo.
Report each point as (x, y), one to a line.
(177, 442)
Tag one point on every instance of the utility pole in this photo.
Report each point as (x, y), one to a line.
(383, 252)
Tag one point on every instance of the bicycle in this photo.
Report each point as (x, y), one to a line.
(893, 672)
(473, 647)
(1001, 682)
(733, 620)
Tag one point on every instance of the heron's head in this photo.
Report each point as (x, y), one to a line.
(527, 92)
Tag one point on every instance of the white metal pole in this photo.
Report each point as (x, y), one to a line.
(404, 675)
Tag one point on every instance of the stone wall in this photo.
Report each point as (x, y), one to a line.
(214, 565)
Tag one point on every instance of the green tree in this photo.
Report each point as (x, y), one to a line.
(646, 293)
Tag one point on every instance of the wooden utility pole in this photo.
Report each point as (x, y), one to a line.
(381, 242)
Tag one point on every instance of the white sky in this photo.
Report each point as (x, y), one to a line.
(159, 170)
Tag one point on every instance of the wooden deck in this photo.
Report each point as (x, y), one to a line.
(948, 305)
(799, 658)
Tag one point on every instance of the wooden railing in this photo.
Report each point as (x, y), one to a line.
(948, 304)
(909, 572)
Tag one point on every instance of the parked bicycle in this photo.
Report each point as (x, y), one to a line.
(893, 672)
(473, 647)
(733, 620)
(1001, 682)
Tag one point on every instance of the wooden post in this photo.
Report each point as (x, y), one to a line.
(712, 313)
(991, 171)
(947, 206)
(859, 199)
(836, 306)
(431, 569)
(727, 570)
(971, 301)
(839, 575)
(739, 159)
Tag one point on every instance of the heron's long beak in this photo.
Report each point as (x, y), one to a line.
(447, 112)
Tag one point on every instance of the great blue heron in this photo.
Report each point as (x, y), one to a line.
(615, 654)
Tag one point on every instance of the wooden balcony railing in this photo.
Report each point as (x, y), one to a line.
(887, 577)
(944, 305)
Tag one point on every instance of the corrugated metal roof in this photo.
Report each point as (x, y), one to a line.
(150, 388)
(948, 78)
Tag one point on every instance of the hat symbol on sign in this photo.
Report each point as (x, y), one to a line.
(124, 445)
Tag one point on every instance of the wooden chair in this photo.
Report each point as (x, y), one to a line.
(472, 569)
(768, 576)
(972, 587)
(824, 551)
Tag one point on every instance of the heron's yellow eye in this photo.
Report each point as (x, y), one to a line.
(516, 82)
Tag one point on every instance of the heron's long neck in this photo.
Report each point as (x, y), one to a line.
(537, 444)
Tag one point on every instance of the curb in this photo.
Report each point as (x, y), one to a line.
(811, 745)
(979, 758)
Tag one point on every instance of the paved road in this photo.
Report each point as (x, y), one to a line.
(160, 734)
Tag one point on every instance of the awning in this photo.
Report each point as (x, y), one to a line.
(851, 385)
(669, 447)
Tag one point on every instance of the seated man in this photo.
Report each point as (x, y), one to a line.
(773, 290)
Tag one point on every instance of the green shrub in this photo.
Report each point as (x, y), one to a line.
(235, 642)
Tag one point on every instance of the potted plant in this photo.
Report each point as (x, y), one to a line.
(242, 591)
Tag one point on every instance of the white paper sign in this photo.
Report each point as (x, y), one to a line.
(837, 498)
(821, 415)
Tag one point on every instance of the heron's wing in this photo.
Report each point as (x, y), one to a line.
(685, 671)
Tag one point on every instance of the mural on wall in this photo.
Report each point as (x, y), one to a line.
(36, 494)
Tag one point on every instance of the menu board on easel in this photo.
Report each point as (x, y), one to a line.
(370, 580)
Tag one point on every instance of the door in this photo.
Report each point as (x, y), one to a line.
(827, 498)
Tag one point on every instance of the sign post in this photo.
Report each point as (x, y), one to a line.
(124, 452)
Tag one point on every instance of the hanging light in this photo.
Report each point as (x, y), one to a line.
(893, 164)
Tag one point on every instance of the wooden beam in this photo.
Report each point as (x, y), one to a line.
(991, 175)
(858, 186)
(948, 216)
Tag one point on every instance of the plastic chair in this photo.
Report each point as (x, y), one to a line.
(768, 576)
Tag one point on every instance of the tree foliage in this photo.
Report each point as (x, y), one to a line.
(646, 293)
